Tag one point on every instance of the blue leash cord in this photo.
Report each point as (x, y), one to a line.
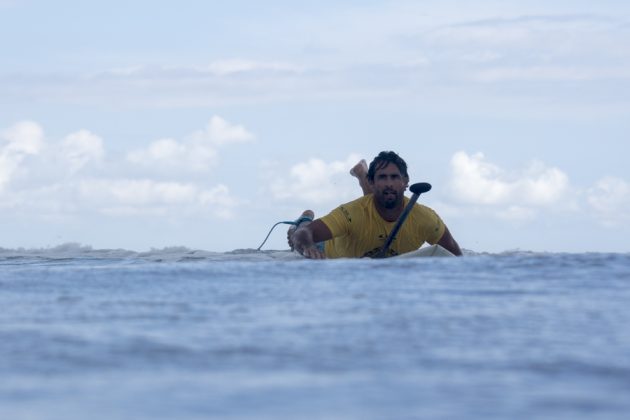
(294, 223)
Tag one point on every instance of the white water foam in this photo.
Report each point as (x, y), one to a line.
(71, 251)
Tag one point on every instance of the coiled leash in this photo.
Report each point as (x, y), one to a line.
(294, 223)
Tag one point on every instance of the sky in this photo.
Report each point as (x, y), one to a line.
(149, 124)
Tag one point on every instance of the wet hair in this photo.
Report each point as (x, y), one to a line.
(382, 160)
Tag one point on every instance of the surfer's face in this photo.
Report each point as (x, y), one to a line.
(389, 186)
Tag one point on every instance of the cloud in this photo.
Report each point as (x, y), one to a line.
(577, 48)
(145, 196)
(195, 156)
(517, 213)
(521, 32)
(81, 148)
(198, 152)
(218, 68)
(610, 198)
(25, 155)
(478, 182)
(234, 66)
(413, 51)
(313, 181)
(59, 186)
(220, 132)
(16, 143)
(549, 73)
(24, 137)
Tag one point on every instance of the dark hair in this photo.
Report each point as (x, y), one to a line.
(382, 160)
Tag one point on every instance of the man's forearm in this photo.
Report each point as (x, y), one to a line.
(447, 241)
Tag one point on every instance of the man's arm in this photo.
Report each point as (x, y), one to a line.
(447, 241)
(308, 235)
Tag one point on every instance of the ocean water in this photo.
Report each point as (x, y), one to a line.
(178, 333)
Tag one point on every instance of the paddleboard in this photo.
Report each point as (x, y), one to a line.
(427, 251)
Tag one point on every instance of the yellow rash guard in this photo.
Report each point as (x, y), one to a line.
(359, 231)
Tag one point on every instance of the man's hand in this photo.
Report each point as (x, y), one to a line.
(313, 252)
(306, 237)
(290, 233)
(303, 242)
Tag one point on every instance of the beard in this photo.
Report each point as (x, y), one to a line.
(389, 199)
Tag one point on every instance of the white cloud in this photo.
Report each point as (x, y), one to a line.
(516, 194)
(80, 148)
(610, 198)
(24, 137)
(489, 43)
(24, 154)
(194, 155)
(542, 185)
(517, 213)
(18, 141)
(145, 196)
(127, 71)
(547, 48)
(217, 68)
(477, 181)
(548, 73)
(313, 181)
(198, 152)
(232, 66)
(49, 192)
(521, 32)
(138, 192)
(220, 132)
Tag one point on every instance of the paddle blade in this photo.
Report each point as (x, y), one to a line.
(420, 187)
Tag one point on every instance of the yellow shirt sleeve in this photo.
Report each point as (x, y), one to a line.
(430, 224)
(338, 221)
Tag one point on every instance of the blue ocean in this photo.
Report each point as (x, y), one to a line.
(186, 334)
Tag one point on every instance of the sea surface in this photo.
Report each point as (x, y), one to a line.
(184, 334)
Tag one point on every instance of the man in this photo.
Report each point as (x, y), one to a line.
(360, 228)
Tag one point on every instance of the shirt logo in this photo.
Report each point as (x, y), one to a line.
(346, 213)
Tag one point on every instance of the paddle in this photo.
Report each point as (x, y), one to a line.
(416, 189)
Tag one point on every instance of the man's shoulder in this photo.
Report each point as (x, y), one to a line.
(422, 207)
(361, 202)
(422, 210)
(349, 211)
(365, 200)
(422, 215)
